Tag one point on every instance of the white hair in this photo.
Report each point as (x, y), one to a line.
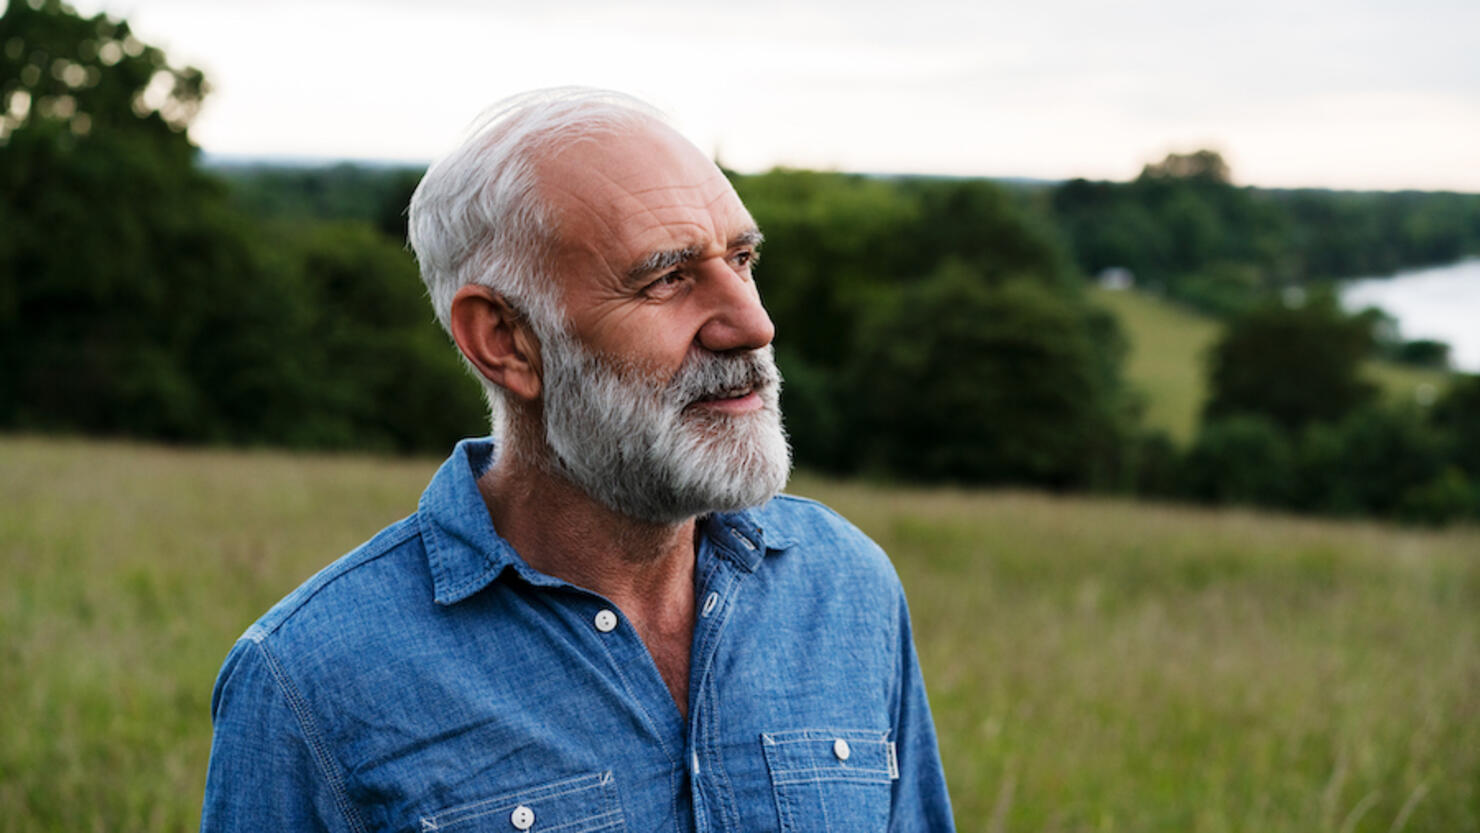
(478, 218)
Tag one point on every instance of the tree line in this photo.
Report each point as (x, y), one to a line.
(929, 329)
(1185, 231)
(938, 330)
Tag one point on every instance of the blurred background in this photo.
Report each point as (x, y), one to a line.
(1144, 337)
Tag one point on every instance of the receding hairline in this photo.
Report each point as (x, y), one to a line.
(545, 160)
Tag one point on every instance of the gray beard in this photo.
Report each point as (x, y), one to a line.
(629, 440)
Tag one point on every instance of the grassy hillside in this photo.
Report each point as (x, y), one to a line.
(1093, 665)
(1168, 361)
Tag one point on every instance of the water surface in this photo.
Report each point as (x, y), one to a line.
(1440, 303)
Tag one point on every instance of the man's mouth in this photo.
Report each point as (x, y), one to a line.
(733, 401)
(728, 393)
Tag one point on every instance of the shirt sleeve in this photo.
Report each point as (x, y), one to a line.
(920, 798)
(268, 770)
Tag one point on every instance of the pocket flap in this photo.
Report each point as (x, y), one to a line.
(807, 755)
(572, 805)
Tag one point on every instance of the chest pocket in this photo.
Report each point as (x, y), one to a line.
(575, 805)
(831, 780)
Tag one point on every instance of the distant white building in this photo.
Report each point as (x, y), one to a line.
(1116, 277)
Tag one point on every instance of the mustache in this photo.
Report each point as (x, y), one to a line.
(705, 375)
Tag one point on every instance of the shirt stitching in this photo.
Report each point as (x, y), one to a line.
(315, 743)
(438, 825)
(441, 577)
(322, 581)
(727, 607)
(632, 695)
(460, 813)
(814, 735)
(812, 776)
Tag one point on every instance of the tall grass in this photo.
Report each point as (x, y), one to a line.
(1103, 665)
(1094, 665)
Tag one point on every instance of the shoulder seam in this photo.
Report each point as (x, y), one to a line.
(258, 631)
(809, 502)
(316, 743)
(800, 502)
(798, 499)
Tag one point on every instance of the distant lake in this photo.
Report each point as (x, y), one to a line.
(1442, 303)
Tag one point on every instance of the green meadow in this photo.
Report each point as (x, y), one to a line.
(1167, 361)
(1094, 664)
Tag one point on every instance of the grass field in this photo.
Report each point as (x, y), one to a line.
(1168, 361)
(1094, 665)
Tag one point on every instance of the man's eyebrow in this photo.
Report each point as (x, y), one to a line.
(665, 259)
(750, 237)
(662, 260)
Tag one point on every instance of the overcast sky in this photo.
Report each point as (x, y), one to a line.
(1335, 93)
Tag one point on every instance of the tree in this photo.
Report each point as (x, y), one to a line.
(136, 298)
(1202, 165)
(1370, 462)
(1245, 458)
(114, 245)
(958, 379)
(1457, 415)
(384, 375)
(80, 74)
(1294, 364)
(830, 240)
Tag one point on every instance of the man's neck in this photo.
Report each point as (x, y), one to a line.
(646, 569)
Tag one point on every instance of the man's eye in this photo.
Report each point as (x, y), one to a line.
(665, 284)
(745, 258)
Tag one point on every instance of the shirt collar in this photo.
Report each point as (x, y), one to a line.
(740, 537)
(463, 550)
(466, 554)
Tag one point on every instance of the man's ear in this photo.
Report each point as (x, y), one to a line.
(497, 339)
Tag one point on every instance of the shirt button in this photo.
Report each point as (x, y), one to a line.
(840, 748)
(522, 818)
(606, 622)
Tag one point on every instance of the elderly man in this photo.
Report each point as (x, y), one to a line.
(609, 620)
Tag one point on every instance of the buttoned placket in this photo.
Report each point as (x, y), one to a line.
(632, 663)
(695, 747)
(719, 585)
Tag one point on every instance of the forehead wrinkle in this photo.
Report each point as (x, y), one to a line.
(620, 217)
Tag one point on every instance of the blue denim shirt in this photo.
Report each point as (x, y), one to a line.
(431, 680)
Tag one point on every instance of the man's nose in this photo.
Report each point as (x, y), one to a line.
(737, 320)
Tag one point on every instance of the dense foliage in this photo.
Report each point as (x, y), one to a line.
(137, 299)
(1290, 423)
(934, 329)
(959, 379)
(1182, 229)
(1293, 364)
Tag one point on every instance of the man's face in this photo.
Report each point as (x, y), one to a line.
(661, 397)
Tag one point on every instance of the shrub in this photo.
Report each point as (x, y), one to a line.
(1294, 364)
(1368, 462)
(1243, 458)
(1448, 497)
(1457, 415)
